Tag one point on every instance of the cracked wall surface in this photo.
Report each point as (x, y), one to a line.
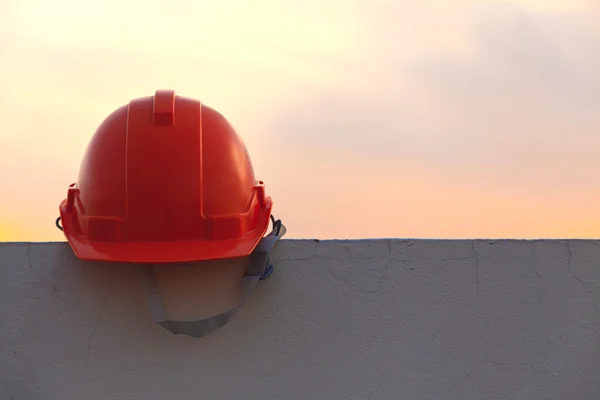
(370, 319)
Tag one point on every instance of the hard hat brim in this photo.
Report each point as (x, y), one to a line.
(156, 252)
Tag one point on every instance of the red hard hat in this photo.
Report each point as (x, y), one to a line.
(165, 179)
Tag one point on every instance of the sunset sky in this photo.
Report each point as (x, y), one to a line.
(365, 118)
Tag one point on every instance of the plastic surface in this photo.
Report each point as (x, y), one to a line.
(165, 179)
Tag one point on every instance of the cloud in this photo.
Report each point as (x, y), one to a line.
(516, 105)
(519, 54)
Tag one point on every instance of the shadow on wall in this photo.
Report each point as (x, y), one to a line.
(190, 291)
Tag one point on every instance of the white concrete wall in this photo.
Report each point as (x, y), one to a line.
(338, 320)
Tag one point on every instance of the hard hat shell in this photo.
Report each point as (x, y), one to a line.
(165, 179)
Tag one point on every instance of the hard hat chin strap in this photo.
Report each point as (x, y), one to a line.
(259, 268)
